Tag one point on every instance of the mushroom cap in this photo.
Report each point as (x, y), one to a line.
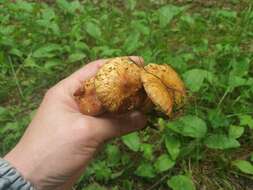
(116, 81)
(87, 100)
(157, 92)
(171, 80)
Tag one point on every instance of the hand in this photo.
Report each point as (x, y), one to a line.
(60, 141)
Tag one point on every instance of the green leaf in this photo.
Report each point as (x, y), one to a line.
(164, 163)
(181, 182)
(235, 81)
(132, 141)
(251, 157)
(167, 13)
(190, 126)
(132, 43)
(246, 120)
(244, 166)
(221, 141)
(47, 51)
(194, 78)
(93, 30)
(235, 131)
(94, 186)
(113, 154)
(217, 118)
(173, 146)
(147, 150)
(240, 67)
(130, 4)
(145, 170)
(76, 57)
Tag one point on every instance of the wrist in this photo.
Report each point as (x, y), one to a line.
(24, 165)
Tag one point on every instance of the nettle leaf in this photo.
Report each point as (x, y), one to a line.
(189, 125)
(145, 170)
(47, 51)
(246, 120)
(244, 166)
(164, 163)
(173, 146)
(132, 43)
(132, 141)
(194, 78)
(221, 141)
(76, 57)
(93, 30)
(167, 13)
(235, 131)
(181, 182)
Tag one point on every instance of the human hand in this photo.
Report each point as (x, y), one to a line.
(60, 141)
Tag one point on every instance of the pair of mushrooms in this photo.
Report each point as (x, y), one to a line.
(121, 86)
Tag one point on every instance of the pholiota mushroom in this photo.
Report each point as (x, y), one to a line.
(121, 85)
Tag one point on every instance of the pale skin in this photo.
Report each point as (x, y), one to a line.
(60, 141)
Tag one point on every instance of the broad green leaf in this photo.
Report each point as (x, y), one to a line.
(235, 81)
(235, 131)
(220, 141)
(132, 141)
(217, 118)
(240, 67)
(244, 166)
(132, 42)
(93, 30)
(145, 170)
(181, 182)
(47, 51)
(102, 171)
(147, 150)
(194, 78)
(76, 57)
(164, 163)
(173, 146)
(246, 120)
(113, 154)
(167, 13)
(189, 125)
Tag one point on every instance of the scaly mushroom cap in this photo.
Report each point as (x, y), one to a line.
(87, 100)
(118, 80)
(171, 79)
(157, 92)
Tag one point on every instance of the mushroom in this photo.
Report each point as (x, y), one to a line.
(121, 85)
(157, 92)
(170, 79)
(87, 100)
(118, 84)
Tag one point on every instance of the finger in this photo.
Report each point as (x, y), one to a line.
(107, 128)
(74, 81)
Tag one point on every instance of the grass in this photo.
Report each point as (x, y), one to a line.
(208, 42)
